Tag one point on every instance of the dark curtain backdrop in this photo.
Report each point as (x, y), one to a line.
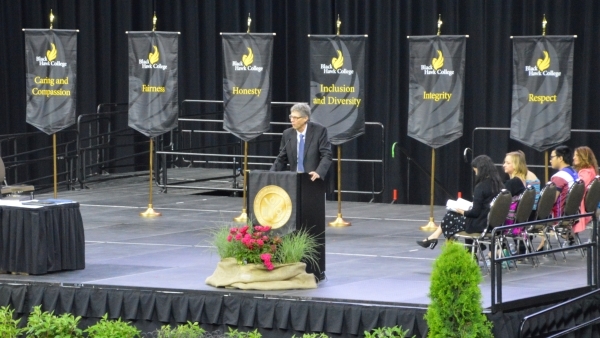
(102, 67)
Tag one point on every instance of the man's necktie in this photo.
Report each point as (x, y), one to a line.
(301, 154)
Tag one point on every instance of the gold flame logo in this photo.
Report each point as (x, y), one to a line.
(438, 62)
(51, 54)
(248, 59)
(154, 56)
(544, 63)
(338, 61)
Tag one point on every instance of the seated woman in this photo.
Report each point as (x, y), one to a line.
(487, 185)
(586, 165)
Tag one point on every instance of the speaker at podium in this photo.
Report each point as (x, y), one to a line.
(289, 201)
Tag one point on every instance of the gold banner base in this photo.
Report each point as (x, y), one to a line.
(339, 222)
(150, 212)
(431, 226)
(242, 218)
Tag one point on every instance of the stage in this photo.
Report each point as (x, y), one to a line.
(152, 270)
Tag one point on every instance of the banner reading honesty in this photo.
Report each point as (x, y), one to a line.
(542, 90)
(337, 93)
(153, 105)
(247, 60)
(436, 88)
(51, 61)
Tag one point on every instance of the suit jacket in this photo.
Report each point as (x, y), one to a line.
(317, 150)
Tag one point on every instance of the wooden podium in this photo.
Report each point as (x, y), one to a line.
(268, 192)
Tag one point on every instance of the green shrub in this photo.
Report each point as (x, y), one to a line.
(386, 332)
(9, 327)
(455, 309)
(188, 330)
(313, 335)
(47, 325)
(237, 334)
(112, 329)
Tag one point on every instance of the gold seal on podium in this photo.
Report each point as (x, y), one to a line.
(272, 206)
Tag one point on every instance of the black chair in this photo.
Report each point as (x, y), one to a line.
(524, 207)
(543, 211)
(592, 197)
(498, 211)
(571, 208)
(12, 190)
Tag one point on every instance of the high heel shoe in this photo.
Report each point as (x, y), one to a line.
(428, 243)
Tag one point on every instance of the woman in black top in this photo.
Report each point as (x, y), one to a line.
(487, 185)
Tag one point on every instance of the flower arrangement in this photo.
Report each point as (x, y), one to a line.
(256, 245)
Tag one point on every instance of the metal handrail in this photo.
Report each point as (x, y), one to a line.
(552, 308)
(235, 157)
(100, 142)
(496, 268)
(13, 159)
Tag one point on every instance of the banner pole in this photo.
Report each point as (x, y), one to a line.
(54, 164)
(431, 226)
(150, 212)
(243, 217)
(339, 221)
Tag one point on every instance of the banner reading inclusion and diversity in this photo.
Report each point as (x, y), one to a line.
(337, 85)
(153, 105)
(436, 88)
(247, 60)
(51, 80)
(542, 90)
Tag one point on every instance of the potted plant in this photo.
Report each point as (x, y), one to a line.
(455, 309)
(253, 258)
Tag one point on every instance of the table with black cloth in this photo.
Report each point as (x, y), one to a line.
(41, 240)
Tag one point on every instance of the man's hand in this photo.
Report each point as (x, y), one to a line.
(314, 175)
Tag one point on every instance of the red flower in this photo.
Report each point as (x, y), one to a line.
(238, 237)
(260, 242)
(229, 238)
(244, 229)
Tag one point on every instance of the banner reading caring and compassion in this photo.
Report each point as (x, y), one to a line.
(542, 90)
(153, 105)
(247, 61)
(51, 80)
(436, 88)
(337, 85)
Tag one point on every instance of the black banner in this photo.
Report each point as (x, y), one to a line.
(436, 88)
(337, 85)
(153, 104)
(542, 90)
(51, 80)
(247, 61)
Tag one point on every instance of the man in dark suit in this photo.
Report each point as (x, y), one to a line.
(311, 136)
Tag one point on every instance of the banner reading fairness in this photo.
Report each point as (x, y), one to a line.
(337, 91)
(153, 104)
(51, 79)
(247, 60)
(542, 90)
(436, 88)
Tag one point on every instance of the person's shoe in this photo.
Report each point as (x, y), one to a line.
(428, 243)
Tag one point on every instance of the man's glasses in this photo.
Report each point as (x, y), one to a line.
(292, 117)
